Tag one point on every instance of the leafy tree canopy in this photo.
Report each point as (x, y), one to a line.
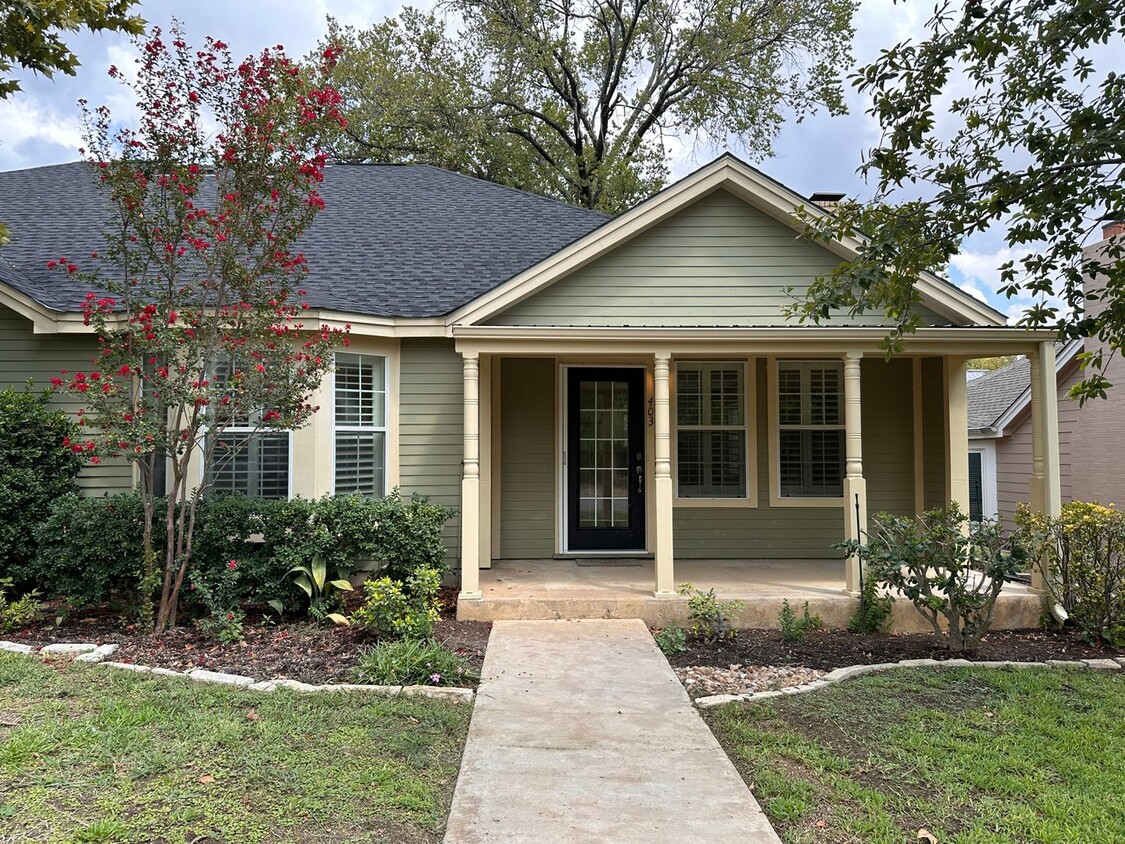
(573, 98)
(31, 37)
(1011, 114)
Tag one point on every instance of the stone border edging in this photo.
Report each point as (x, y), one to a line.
(841, 674)
(98, 654)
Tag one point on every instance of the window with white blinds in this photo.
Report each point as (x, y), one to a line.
(710, 430)
(810, 418)
(247, 459)
(361, 424)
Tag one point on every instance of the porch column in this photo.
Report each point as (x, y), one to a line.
(957, 433)
(855, 485)
(470, 482)
(662, 425)
(1046, 493)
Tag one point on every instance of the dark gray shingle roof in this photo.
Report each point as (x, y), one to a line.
(393, 240)
(992, 394)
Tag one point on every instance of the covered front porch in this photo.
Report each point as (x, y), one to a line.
(622, 588)
(897, 441)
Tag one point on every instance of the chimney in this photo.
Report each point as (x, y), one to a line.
(827, 201)
(1113, 225)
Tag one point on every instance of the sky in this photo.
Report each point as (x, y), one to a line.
(41, 125)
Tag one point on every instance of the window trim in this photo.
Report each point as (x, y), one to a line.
(750, 429)
(776, 498)
(989, 498)
(385, 429)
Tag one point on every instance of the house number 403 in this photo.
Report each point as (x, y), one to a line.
(651, 411)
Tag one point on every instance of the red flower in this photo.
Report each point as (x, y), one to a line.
(233, 564)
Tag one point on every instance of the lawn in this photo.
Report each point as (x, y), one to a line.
(970, 755)
(90, 754)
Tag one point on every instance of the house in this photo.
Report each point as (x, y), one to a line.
(1090, 435)
(580, 386)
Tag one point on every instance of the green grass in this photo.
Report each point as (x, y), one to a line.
(972, 755)
(90, 754)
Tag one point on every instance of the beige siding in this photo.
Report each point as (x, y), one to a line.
(24, 354)
(718, 262)
(1014, 463)
(431, 416)
(888, 435)
(527, 458)
(933, 433)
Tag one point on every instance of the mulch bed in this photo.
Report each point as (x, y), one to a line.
(827, 650)
(302, 650)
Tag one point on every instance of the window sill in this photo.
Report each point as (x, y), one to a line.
(777, 501)
(691, 503)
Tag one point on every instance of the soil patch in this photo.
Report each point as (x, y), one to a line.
(828, 649)
(300, 650)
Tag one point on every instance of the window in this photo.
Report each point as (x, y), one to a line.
(710, 430)
(810, 419)
(976, 486)
(361, 424)
(247, 459)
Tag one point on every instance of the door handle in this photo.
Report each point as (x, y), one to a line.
(640, 480)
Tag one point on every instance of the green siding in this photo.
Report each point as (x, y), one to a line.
(933, 433)
(24, 354)
(888, 435)
(527, 455)
(718, 262)
(431, 416)
(757, 533)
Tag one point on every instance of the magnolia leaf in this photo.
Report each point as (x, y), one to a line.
(337, 619)
(342, 585)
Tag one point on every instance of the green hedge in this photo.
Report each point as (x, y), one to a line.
(90, 548)
(36, 468)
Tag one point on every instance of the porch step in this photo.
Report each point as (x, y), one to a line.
(1013, 611)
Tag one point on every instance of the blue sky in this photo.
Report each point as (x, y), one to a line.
(40, 125)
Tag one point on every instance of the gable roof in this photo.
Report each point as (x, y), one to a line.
(997, 398)
(393, 240)
(727, 172)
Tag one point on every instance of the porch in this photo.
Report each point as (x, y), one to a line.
(622, 588)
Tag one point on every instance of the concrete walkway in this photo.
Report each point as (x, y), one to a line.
(582, 733)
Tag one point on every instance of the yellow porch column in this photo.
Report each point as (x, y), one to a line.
(957, 432)
(470, 482)
(855, 485)
(662, 430)
(1046, 488)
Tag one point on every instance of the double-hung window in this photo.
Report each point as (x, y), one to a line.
(810, 419)
(711, 429)
(246, 458)
(361, 424)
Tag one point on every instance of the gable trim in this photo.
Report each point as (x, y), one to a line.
(749, 185)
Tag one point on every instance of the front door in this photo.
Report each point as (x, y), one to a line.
(605, 459)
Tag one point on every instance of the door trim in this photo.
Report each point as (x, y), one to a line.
(563, 489)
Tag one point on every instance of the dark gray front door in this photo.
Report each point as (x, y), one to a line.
(605, 459)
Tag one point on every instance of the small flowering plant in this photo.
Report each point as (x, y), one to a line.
(197, 299)
(218, 594)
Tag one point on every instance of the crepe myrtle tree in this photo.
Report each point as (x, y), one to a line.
(197, 302)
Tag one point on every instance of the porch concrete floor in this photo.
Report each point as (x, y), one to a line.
(560, 588)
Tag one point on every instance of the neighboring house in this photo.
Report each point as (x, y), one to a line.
(1091, 436)
(575, 384)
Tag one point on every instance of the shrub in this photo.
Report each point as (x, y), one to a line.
(89, 549)
(36, 468)
(412, 662)
(948, 569)
(1081, 555)
(408, 535)
(219, 593)
(709, 616)
(232, 526)
(873, 615)
(397, 609)
(17, 613)
(793, 629)
(671, 640)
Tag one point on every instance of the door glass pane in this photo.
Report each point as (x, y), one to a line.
(603, 453)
